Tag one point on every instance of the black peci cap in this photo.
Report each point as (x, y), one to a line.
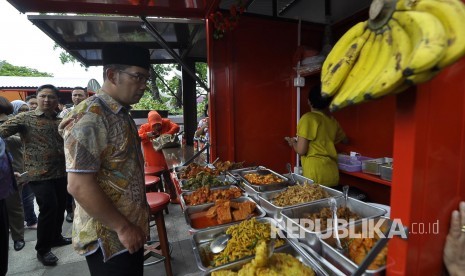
(126, 54)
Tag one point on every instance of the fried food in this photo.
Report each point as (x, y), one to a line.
(226, 211)
(300, 194)
(205, 195)
(278, 264)
(360, 247)
(257, 179)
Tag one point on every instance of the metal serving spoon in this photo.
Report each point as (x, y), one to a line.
(333, 208)
(219, 243)
(345, 192)
(289, 168)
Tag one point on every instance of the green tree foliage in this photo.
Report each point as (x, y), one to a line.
(7, 69)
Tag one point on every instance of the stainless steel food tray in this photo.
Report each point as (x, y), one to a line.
(265, 187)
(200, 208)
(274, 211)
(183, 202)
(290, 249)
(201, 239)
(343, 263)
(301, 229)
(236, 172)
(222, 178)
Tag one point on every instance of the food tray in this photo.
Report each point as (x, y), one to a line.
(371, 166)
(385, 171)
(225, 179)
(351, 163)
(274, 211)
(343, 263)
(201, 239)
(310, 237)
(265, 187)
(290, 249)
(183, 202)
(236, 173)
(204, 207)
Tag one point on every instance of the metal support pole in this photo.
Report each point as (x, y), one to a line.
(146, 25)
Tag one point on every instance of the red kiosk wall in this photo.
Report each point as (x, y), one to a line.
(252, 91)
(429, 174)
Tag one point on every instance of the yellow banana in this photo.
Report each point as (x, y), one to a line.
(421, 77)
(451, 13)
(340, 99)
(391, 76)
(381, 60)
(428, 37)
(341, 61)
(340, 48)
(403, 5)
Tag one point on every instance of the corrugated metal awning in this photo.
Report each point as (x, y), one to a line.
(28, 83)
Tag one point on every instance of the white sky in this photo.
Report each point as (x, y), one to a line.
(23, 44)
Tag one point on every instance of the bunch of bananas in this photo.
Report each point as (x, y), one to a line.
(410, 44)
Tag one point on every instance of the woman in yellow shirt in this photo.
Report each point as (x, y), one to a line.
(317, 133)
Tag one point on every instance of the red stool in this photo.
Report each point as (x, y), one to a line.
(150, 182)
(155, 171)
(158, 202)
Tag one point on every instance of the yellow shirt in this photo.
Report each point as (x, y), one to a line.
(320, 161)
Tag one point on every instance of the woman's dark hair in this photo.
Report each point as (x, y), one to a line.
(32, 96)
(316, 100)
(49, 86)
(5, 106)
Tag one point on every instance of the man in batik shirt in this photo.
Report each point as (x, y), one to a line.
(44, 161)
(106, 169)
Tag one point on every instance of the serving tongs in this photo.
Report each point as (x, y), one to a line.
(207, 145)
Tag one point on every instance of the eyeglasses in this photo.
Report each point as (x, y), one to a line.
(141, 78)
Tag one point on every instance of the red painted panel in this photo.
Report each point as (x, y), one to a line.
(429, 168)
(253, 93)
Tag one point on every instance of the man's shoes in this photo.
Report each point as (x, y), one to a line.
(47, 259)
(70, 217)
(19, 244)
(61, 242)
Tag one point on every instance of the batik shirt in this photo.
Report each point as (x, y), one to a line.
(102, 138)
(43, 146)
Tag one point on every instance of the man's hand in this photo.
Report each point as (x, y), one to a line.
(132, 237)
(454, 250)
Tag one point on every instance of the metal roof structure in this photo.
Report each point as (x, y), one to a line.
(31, 83)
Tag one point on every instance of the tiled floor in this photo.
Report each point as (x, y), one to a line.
(24, 262)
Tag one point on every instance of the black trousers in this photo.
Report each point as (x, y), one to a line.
(3, 238)
(51, 198)
(124, 264)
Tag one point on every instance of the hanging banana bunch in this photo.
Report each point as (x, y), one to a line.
(404, 42)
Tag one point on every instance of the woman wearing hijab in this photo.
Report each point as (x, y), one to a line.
(19, 106)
